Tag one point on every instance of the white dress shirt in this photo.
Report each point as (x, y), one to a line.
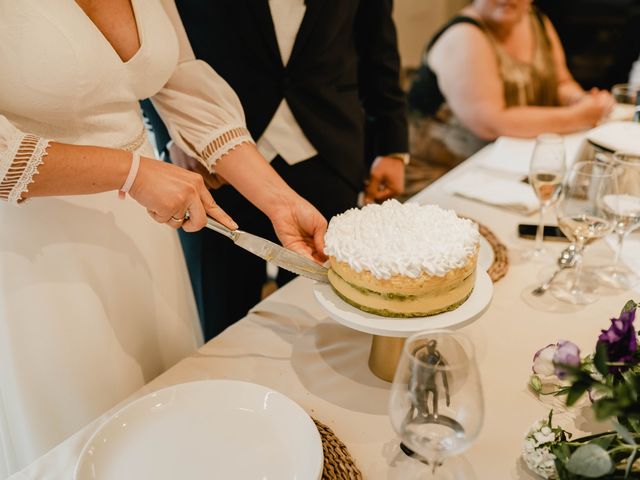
(283, 136)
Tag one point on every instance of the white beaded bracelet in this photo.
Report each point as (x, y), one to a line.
(131, 177)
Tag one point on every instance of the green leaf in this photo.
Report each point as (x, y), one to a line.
(535, 383)
(630, 305)
(604, 441)
(601, 358)
(561, 391)
(624, 433)
(605, 408)
(634, 424)
(590, 461)
(576, 391)
(561, 451)
(630, 461)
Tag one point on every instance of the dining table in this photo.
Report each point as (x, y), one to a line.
(289, 343)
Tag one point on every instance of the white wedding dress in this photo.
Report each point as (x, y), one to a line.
(95, 299)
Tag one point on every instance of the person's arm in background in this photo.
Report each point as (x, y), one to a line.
(382, 97)
(467, 70)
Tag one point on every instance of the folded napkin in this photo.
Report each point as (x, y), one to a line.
(493, 190)
(513, 155)
(617, 136)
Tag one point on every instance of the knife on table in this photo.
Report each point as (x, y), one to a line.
(272, 252)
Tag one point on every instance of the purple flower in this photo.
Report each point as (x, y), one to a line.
(621, 340)
(551, 359)
(567, 354)
(543, 360)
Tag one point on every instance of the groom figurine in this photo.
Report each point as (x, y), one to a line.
(319, 84)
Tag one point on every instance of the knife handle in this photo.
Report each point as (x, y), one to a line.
(218, 227)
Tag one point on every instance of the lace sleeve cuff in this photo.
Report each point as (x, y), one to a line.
(223, 143)
(19, 163)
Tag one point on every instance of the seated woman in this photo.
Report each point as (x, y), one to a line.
(497, 68)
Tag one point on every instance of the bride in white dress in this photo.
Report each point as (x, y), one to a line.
(94, 296)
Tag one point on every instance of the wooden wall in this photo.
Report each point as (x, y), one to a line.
(417, 21)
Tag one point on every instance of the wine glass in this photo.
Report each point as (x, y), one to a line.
(625, 93)
(621, 204)
(546, 172)
(436, 404)
(626, 97)
(581, 218)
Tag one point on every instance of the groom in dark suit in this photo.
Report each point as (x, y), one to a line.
(319, 83)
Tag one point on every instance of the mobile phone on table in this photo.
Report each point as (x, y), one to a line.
(550, 232)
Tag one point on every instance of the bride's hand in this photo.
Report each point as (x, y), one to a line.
(301, 228)
(168, 192)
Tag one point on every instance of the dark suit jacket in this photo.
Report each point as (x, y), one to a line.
(342, 74)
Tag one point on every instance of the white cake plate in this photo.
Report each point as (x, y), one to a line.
(486, 256)
(356, 319)
(389, 333)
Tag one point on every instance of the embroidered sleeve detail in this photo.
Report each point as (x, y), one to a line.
(223, 144)
(19, 164)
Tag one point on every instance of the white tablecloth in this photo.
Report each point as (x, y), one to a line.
(288, 343)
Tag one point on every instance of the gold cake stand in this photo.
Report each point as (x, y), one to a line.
(385, 355)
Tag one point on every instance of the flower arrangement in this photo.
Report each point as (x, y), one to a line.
(610, 376)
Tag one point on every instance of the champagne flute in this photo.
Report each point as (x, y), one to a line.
(436, 404)
(582, 219)
(546, 172)
(621, 203)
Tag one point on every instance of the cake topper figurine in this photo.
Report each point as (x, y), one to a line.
(423, 382)
(425, 394)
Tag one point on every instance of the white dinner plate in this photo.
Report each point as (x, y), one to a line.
(486, 256)
(212, 429)
(356, 319)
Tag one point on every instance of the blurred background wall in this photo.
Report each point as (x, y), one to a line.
(601, 37)
(417, 21)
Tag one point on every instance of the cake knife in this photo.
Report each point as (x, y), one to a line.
(272, 252)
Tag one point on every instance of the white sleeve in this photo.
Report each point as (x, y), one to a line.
(202, 113)
(20, 156)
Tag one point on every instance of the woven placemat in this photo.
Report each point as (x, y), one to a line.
(500, 265)
(338, 464)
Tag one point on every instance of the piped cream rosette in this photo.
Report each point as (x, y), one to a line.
(402, 260)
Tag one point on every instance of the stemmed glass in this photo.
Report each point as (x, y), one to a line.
(546, 172)
(626, 96)
(436, 404)
(581, 218)
(621, 204)
(625, 93)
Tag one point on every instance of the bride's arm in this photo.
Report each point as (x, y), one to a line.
(205, 119)
(34, 167)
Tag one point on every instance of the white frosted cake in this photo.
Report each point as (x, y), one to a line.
(402, 260)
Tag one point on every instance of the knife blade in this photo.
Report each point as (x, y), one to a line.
(272, 252)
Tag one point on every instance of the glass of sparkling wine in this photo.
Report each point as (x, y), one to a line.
(581, 218)
(436, 404)
(546, 173)
(621, 204)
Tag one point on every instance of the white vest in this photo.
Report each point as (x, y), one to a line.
(283, 136)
